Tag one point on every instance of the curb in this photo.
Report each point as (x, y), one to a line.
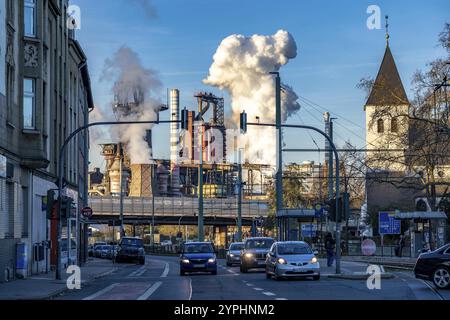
(384, 276)
(65, 289)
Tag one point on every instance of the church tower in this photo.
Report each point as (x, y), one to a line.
(387, 124)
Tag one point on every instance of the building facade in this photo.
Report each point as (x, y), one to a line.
(44, 97)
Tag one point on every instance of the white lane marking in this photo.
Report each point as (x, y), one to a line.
(258, 289)
(150, 291)
(434, 290)
(166, 271)
(249, 284)
(281, 299)
(134, 273)
(103, 291)
(140, 273)
(190, 291)
(270, 294)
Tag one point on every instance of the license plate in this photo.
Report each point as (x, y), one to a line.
(261, 263)
(301, 271)
(198, 266)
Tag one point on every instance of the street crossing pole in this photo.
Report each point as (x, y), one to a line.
(239, 218)
(201, 231)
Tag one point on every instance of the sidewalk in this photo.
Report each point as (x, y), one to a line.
(41, 287)
(402, 263)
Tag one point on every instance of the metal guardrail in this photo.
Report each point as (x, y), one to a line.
(177, 206)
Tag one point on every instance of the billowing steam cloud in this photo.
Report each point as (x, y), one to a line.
(241, 66)
(132, 87)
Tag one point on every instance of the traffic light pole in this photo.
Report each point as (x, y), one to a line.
(61, 164)
(338, 223)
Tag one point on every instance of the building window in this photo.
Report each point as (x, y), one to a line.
(29, 102)
(30, 18)
(380, 126)
(9, 92)
(394, 125)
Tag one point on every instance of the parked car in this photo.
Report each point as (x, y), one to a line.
(198, 257)
(254, 254)
(98, 251)
(435, 266)
(131, 249)
(166, 243)
(104, 251)
(234, 253)
(292, 259)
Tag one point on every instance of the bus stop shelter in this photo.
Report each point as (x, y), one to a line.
(427, 229)
(284, 218)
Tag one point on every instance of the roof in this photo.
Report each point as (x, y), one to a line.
(421, 215)
(296, 213)
(388, 88)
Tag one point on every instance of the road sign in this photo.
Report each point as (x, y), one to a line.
(368, 247)
(87, 212)
(309, 230)
(387, 224)
(319, 210)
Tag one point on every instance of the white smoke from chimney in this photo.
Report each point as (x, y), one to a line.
(241, 66)
(132, 86)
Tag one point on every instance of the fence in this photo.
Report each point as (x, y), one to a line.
(387, 250)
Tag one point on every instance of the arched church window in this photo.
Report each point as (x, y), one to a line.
(394, 125)
(380, 126)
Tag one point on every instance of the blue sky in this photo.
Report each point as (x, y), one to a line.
(336, 49)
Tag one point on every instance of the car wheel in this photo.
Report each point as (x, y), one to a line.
(316, 278)
(268, 276)
(441, 277)
(214, 273)
(142, 261)
(182, 273)
(244, 270)
(229, 264)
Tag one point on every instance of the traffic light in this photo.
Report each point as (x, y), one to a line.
(184, 119)
(243, 122)
(50, 206)
(66, 207)
(333, 214)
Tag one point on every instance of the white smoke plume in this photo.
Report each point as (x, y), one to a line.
(132, 86)
(241, 66)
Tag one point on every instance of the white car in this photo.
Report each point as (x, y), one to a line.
(292, 259)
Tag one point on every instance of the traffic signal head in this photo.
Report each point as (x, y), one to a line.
(243, 122)
(50, 204)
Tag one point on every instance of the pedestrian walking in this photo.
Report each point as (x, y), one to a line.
(400, 246)
(330, 245)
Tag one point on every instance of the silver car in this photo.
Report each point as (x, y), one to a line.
(292, 259)
(234, 253)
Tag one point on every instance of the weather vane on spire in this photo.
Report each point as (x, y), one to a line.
(387, 30)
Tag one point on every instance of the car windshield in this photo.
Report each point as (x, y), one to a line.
(132, 242)
(290, 249)
(237, 246)
(259, 243)
(198, 248)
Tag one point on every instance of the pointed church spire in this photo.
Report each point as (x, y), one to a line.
(388, 88)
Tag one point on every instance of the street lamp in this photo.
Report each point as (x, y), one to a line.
(61, 174)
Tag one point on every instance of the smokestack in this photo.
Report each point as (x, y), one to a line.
(174, 127)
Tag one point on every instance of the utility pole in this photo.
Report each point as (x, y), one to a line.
(239, 218)
(122, 233)
(279, 174)
(152, 234)
(201, 231)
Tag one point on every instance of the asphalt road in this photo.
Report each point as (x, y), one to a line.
(159, 279)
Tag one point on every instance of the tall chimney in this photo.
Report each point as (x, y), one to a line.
(174, 127)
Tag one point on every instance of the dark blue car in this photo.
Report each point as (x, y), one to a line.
(198, 257)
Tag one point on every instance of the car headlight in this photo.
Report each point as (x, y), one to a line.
(314, 260)
(282, 261)
(185, 261)
(212, 260)
(249, 255)
(231, 255)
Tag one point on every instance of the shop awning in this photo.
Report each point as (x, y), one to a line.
(433, 215)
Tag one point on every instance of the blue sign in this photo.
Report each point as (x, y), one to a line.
(387, 224)
(319, 211)
(309, 230)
